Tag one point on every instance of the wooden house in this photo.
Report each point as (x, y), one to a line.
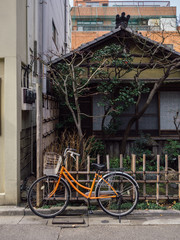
(157, 64)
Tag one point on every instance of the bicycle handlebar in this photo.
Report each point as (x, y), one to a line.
(72, 152)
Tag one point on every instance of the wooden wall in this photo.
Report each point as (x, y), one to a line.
(50, 120)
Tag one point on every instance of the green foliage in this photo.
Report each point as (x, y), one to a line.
(143, 206)
(97, 147)
(149, 205)
(172, 149)
(112, 51)
(115, 163)
(142, 145)
(150, 165)
(176, 206)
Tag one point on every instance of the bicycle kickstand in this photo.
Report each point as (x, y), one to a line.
(89, 211)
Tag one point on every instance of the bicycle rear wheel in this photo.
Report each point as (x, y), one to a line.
(127, 194)
(39, 199)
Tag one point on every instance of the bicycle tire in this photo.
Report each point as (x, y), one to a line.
(48, 207)
(127, 190)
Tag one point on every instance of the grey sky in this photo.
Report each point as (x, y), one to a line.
(173, 3)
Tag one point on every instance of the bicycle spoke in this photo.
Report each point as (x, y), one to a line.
(127, 194)
(40, 200)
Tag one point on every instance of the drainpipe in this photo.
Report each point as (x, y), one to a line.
(27, 74)
(65, 26)
(44, 36)
(39, 161)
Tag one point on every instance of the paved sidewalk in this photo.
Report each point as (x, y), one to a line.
(77, 217)
(18, 223)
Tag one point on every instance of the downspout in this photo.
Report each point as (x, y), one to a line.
(44, 35)
(27, 32)
(65, 26)
(39, 161)
(27, 64)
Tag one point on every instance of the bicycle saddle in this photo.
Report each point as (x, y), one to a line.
(98, 166)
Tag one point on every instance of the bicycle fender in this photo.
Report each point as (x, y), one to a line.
(122, 173)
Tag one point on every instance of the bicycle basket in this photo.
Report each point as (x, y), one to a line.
(52, 162)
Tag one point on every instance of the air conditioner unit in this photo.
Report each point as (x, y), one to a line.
(28, 97)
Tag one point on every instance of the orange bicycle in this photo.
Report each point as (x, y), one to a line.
(116, 192)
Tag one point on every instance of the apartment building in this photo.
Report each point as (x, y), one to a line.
(91, 19)
(28, 28)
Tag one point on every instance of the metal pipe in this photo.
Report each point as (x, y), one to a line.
(65, 26)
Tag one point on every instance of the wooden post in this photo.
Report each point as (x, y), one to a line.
(98, 159)
(77, 173)
(88, 170)
(166, 174)
(179, 175)
(133, 165)
(144, 175)
(107, 161)
(121, 161)
(158, 178)
(133, 168)
(121, 166)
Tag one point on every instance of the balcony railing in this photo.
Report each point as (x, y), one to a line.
(122, 3)
(111, 27)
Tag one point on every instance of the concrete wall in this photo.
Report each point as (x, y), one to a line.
(10, 103)
(20, 24)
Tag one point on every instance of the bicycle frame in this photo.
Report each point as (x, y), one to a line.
(64, 172)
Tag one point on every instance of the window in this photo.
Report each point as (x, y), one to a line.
(149, 121)
(54, 33)
(91, 25)
(92, 4)
(98, 111)
(169, 105)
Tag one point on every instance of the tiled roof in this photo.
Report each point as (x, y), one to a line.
(107, 36)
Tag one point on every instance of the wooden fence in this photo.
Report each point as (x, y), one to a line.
(162, 184)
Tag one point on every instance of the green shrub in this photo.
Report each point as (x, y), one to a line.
(142, 145)
(115, 163)
(149, 205)
(97, 147)
(172, 149)
(176, 206)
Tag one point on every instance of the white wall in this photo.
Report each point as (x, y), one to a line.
(168, 24)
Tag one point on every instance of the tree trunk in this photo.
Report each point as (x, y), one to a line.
(146, 105)
(136, 117)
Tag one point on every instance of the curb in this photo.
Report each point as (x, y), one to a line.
(24, 211)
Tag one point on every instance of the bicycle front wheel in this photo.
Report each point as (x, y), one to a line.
(40, 200)
(118, 194)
